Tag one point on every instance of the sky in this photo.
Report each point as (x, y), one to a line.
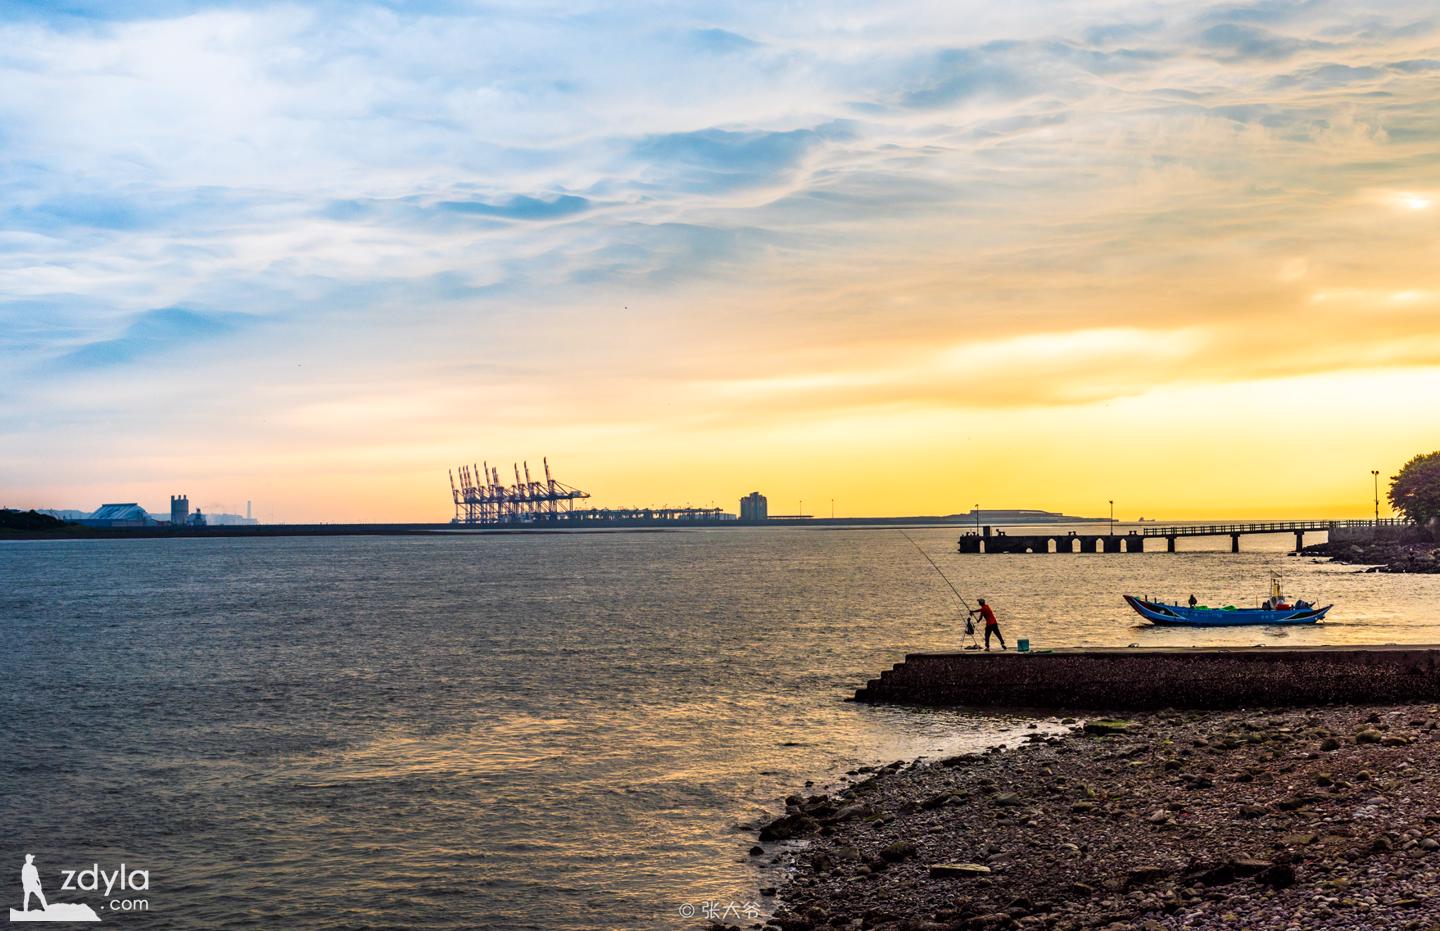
(906, 257)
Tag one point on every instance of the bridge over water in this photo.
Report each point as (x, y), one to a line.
(1075, 541)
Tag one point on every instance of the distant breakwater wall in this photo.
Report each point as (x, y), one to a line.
(1211, 678)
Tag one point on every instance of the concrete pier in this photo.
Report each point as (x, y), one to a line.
(989, 540)
(1148, 678)
(1002, 542)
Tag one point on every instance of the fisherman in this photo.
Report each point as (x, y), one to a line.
(1193, 600)
(992, 626)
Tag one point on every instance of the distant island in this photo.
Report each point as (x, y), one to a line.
(1002, 516)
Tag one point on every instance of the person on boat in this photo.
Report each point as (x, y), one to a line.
(992, 626)
(1193, 600)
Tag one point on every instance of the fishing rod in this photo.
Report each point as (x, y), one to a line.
(939, 570)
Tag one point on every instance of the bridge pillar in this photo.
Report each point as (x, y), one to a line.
(1169, 544)
(1134, 543)
(1089, 544)
(1234, 542)
(1299, 540)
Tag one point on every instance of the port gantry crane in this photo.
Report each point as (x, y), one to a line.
(481, 499)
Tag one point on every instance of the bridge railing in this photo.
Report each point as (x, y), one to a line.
(1195, 530)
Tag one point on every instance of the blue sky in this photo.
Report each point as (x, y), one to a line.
(682, 247)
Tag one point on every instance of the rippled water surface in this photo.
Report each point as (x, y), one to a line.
(539, 731)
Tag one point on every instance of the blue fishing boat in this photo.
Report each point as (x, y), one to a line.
(1274, 610)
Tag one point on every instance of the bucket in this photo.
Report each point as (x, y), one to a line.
(1022, 646)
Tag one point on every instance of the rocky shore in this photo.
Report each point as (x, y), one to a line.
(1382, 556)
(1294, 819)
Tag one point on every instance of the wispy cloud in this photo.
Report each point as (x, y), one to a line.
(152, 336)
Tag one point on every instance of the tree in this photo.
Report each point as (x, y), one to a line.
(1415, 490)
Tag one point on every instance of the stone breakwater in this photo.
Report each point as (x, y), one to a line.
(1135, 678)
(1382, 556)
(1294, 819)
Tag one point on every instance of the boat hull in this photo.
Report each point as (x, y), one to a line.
(1179, 616)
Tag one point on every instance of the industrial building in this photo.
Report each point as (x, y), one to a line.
(128, 514)
(180, 515)
(754, 507)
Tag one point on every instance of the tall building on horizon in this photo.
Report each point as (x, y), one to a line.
(754, 507)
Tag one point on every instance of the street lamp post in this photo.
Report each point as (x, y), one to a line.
(1375, 474)
(1112, 517)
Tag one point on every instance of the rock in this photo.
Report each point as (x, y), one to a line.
(1105, 727)
(1145, 874)
(788, 827)
(1277, 876)
(1429, 843)
(1329, 744)
(847, 853)
(1082, 807)
(958, 870)
(934, 801)
(1216, 876)
(1252, 811)
(1394, 740)
(757, 850)
(1368, 736)
(851, 811)
(1006, 799)
(1250, 867)
(900, 850)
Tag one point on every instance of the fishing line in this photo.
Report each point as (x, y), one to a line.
(937, 569)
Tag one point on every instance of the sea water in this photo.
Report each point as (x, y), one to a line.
(558, 731)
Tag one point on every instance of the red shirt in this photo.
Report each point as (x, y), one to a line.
(988, 615)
